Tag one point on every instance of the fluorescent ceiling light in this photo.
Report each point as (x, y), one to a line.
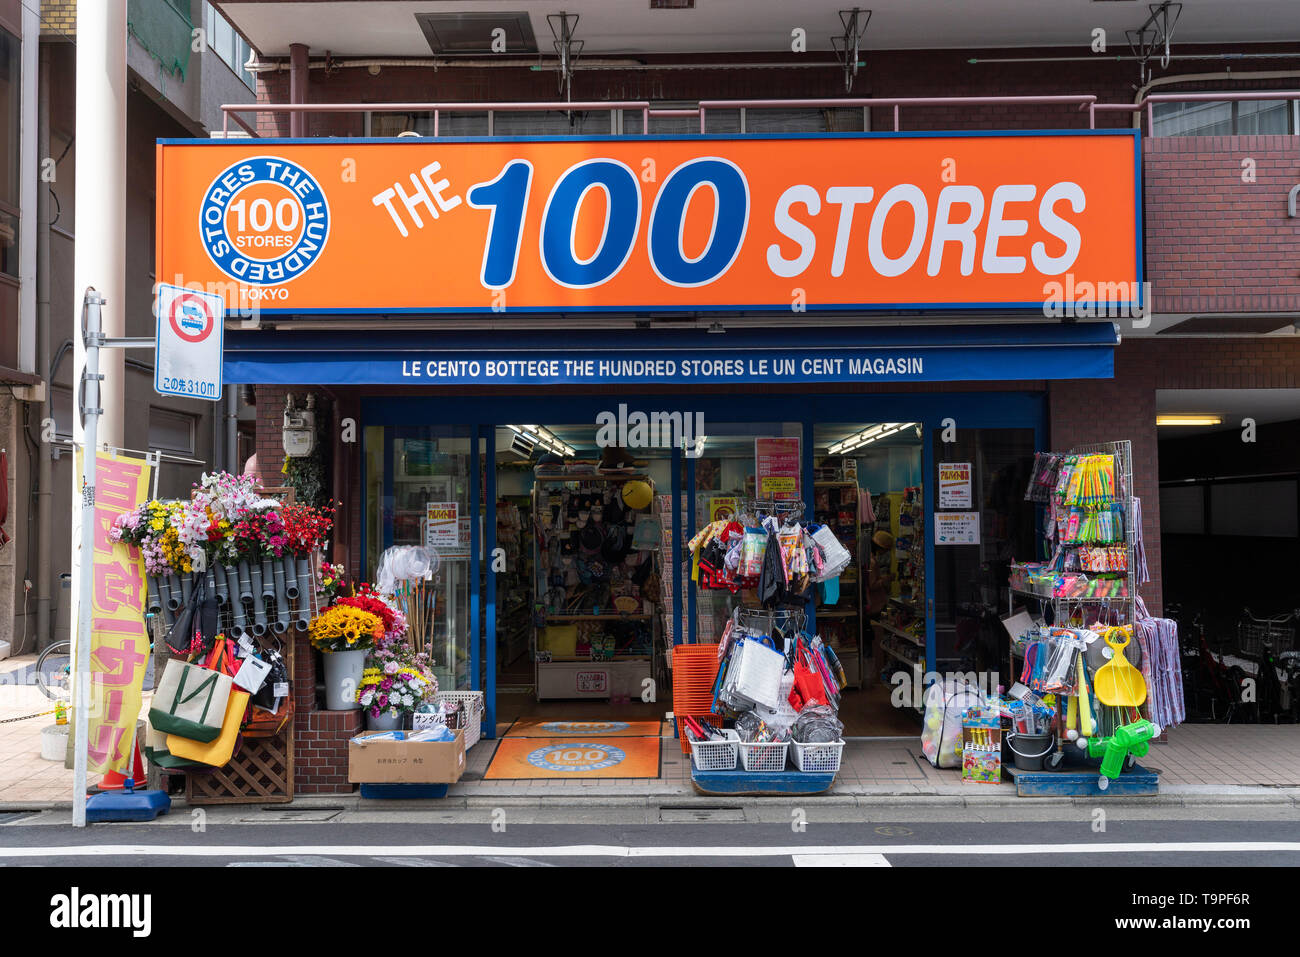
(545, 438)
(1188, 418)
(867, 436)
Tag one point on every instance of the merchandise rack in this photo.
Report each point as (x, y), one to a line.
(1123, 452)
(1055, 781)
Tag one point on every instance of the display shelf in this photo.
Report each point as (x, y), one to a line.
(889, 650)
(900, 633)
(832, 613)
(618, 656)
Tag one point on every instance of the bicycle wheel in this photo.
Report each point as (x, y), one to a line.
(54, 671)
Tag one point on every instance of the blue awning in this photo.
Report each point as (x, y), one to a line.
(839, 355)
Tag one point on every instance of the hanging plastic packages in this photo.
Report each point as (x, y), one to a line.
(945, 703)
(836, 555)
(752, 549)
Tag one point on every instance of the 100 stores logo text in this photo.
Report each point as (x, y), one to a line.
(264, 220)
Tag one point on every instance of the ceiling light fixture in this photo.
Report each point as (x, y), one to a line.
(545, 438)
(867, 436)
(1188, 418)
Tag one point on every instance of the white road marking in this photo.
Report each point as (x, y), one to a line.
(614, 850)
(841, 860)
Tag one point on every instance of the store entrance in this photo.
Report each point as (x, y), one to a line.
(572, 556)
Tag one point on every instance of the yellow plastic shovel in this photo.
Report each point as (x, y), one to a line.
(1117, 682)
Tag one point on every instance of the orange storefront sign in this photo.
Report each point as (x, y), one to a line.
(616, 224)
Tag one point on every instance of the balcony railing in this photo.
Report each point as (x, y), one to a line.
(1080, 102)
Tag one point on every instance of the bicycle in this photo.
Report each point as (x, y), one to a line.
(1211, 686)
(1264, 640)
(54, 671)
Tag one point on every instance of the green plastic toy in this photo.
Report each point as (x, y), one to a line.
(1131, 739)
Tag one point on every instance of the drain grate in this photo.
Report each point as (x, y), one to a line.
(277, 815)
(701, 815)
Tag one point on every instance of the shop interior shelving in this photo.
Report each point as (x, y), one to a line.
(569, 676)
(848, 614)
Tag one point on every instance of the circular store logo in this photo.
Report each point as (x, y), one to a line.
(584, 727)
(264, 220)
(576, 757)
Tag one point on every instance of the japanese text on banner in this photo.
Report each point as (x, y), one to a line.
(119, 643)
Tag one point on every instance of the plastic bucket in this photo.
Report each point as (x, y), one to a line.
(1029, 750)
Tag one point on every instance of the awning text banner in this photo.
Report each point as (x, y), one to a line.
(560, 225)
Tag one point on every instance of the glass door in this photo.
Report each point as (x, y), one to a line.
(418, 493)
(981, 523)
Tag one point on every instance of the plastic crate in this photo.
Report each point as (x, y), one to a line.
(403, 792)
(763, 756)
(820, 758)
(715, 755)
(472, 705)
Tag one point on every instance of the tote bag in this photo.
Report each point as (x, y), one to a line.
(218, 751)
(190, 701)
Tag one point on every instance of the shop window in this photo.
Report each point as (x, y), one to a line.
(171, 431)
(1225, 118)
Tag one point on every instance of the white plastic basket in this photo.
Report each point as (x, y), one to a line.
(821, 758)
(715, 755)
(762, 756)
(472, 704)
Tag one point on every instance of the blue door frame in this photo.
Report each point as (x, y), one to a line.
(478, 417)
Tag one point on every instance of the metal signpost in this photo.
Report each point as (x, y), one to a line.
(187, 346)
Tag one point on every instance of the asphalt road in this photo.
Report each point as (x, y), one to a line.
(1247, 840)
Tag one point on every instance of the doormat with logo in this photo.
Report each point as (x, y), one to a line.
(547, 728)
(582, 758)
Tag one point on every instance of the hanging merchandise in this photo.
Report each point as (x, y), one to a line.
(1161, 666)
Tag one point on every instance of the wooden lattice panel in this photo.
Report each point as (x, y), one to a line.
(261, 773)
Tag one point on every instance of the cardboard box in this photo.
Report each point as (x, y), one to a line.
(406, 762)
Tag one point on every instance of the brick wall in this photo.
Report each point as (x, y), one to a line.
(320, 753)
(1216, 243)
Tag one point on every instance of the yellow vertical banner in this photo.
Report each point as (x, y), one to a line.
(119, 640)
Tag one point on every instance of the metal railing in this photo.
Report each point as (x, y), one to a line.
(1081, 101)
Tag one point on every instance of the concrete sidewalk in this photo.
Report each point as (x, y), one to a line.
(1201, 765)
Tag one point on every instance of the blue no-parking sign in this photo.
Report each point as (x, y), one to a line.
(187, 361)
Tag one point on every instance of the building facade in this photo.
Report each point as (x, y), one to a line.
(1215, 126)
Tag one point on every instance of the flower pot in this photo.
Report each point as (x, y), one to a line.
(187, 587)
(174, 597)
(388, 720)
(303, 574)
(343, 671)
(219, 582)
(259, 617)
(268, 578)
(255, 573)
(245, 582)
(290, 576)
(281, 623)
(240, 620)
(302, 621)
(155, 599)
(210, 579)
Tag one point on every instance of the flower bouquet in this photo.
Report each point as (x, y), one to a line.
(345, 628)
(393, 688)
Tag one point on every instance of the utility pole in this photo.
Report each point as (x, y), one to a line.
(99, 263)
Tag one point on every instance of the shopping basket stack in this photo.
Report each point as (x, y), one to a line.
(695, 670)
